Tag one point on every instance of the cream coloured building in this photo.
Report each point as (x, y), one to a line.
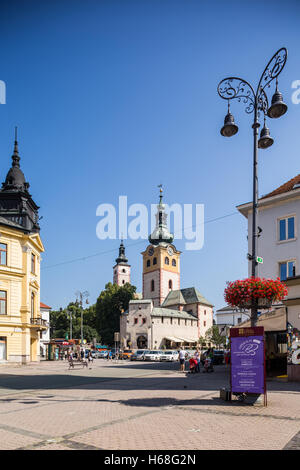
(20, 257)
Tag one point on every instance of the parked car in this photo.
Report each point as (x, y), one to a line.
(126, 354)
(153, 355)
(169, 356)
(139, 355)
(218, 357)
(101, 354)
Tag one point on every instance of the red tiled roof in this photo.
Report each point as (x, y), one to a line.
(44, 306)
(284, 188)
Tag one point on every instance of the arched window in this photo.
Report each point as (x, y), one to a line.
(167, 261)
(170, 284)
(148, 263)
(154, 260)
(123, 270)
(152, 285)
(173, 262)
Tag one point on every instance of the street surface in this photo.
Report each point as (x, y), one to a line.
(137, 405)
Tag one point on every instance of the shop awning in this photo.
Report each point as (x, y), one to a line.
(172, 338)
(180, 340)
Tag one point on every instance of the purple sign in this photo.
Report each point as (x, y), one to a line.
(247, 364)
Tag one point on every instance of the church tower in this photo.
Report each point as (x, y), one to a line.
(122, 268)
(161, 261)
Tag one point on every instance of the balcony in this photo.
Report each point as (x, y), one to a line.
(39, 323)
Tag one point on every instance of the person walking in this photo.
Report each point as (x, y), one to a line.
(182, 360)
(197, 358)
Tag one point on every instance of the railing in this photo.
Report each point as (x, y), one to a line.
(39, 322)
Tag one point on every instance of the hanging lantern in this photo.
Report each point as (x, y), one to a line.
(230, 128)
(265, 139)
(278, 107)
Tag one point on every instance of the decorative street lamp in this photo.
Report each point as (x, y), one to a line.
(257, 103)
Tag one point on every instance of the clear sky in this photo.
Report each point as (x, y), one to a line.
(114, 97)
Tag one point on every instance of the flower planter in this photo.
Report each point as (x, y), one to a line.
(254, 291)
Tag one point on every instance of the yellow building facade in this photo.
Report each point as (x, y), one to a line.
(20, 257)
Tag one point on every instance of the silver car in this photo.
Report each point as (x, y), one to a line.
(139, 355)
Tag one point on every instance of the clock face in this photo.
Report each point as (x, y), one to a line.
(151, 251)
(170, 251)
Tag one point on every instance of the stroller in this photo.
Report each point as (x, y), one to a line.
(208, 365)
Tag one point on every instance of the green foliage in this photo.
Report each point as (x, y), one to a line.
(109, 306)
(213, 336)
(60, 323)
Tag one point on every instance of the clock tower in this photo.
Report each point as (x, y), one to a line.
(161, 261)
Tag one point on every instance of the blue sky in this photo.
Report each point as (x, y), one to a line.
(115, 97)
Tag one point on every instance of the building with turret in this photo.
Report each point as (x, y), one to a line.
(121, 270)
(20, 258)
(167, 316)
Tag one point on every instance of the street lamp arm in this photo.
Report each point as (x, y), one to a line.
(272, 70)
(237, 88)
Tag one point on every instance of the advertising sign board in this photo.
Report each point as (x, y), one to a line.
(248, 360)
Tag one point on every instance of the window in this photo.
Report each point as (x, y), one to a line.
(171, 321)
(287, 228)
(239, 320)
(32, 304)
(123, 270)
(33, 263)
(162, 319)
(123, 282)
(3, 254)
(286, 269)
(143, 321)
(204, 312)
(152, 285)
(204, 323)
(3, 356)
(154, 260)
(3, 302)
(148, 263)
(170, 284)
(167, 261)
(173, 262)
(135, 321)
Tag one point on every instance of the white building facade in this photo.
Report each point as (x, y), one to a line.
(278, 243)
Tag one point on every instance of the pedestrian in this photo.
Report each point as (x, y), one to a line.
(197, 358)
(66, 355)
(182, 360)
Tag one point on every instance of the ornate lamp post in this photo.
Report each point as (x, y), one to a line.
(257, 103)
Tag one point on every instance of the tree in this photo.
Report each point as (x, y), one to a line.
(60, 323)
(201, 341)
(109, 306)
(213, 336)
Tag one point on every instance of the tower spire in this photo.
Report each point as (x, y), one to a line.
(15, 157)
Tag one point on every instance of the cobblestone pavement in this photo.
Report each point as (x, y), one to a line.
(130, 405)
